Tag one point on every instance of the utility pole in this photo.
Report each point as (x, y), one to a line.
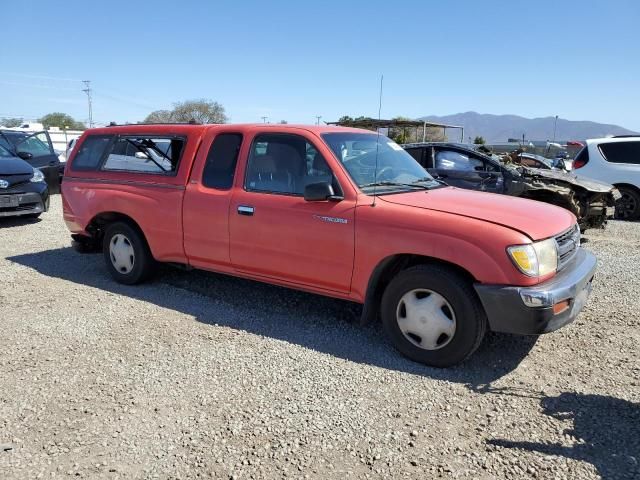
(87, 90)
(318, 117)
(555, 123)
(264, 119)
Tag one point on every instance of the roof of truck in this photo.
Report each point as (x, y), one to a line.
(199, 128)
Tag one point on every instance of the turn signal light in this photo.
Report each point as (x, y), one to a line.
(560, 307)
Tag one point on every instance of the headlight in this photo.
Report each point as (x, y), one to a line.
(37, 176)
(535, 259)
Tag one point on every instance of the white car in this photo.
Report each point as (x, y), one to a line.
(614, 160)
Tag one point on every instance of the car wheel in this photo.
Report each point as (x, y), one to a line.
(628, 207)
(432, 315)
(127, 254)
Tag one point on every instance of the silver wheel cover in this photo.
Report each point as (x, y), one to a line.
(121, 253)
(426, 319)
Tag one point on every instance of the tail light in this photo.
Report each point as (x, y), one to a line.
(579, 163)
(581, 159)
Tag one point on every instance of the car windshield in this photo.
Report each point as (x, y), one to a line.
(4, 153)
(375, 161)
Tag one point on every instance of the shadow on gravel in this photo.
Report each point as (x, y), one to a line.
(319, 323)
(8, 222)
(607, 430)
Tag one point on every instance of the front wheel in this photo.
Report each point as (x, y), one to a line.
(432, 315)
(127, 254)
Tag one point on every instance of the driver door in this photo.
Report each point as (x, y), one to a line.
(37, 150)
(275, 233)
(464, 170)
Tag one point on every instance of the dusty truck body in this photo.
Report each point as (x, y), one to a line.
(591, 201)
(316, 209)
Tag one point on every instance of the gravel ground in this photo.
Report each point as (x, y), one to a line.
(201, 375)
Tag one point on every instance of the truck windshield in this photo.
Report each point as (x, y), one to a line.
(375, 161)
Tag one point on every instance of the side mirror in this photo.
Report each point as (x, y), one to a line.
(25, 155)
(561, 165)
(319, 192)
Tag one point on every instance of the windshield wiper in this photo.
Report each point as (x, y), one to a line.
(396, 184)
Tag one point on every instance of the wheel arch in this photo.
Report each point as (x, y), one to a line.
(384, 272)
(630, 186)
(99, 223)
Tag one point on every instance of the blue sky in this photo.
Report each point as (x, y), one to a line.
(294, 60)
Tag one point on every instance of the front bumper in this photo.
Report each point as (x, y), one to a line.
(26, 199)
(506, 309)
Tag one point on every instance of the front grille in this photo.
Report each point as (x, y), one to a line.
(568, 243)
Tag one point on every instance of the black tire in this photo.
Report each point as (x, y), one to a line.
(143, 263)
(470, 319)
(628, 207)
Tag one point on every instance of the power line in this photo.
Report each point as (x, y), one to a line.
(87, 90)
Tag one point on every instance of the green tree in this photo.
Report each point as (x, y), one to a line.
(61, 120)
(159, 116)
(202, 111)
(11, 122)
(479, 140)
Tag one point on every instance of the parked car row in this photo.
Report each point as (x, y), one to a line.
(336, 211)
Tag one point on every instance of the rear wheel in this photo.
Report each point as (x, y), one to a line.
(432, 315)
(127, 254)
(628, 207)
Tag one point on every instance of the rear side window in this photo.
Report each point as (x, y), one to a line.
(142, 154)
(452, 160)
(416, 153)
(221, 161)
(621, 152)
(91, 152)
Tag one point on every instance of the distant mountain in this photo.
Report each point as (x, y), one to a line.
(499, 128)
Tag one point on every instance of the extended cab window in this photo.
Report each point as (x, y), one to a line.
(91, 152)
(143, 154)
(282, 163)
(221, 161)
(621, 152)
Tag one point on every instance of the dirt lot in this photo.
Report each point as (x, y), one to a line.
(199, 375)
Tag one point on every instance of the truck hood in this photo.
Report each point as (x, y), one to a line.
(537, 220)
(588, 184)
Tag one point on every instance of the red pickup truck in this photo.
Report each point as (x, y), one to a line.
(331, 210)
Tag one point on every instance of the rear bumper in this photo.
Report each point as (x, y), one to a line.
(507, 311)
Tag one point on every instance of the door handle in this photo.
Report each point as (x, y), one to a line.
(245, 210)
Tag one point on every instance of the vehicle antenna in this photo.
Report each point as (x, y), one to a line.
(375, 171)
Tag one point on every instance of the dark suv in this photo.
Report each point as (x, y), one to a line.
(458, 165)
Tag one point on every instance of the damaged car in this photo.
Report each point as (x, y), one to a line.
(591, 201)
